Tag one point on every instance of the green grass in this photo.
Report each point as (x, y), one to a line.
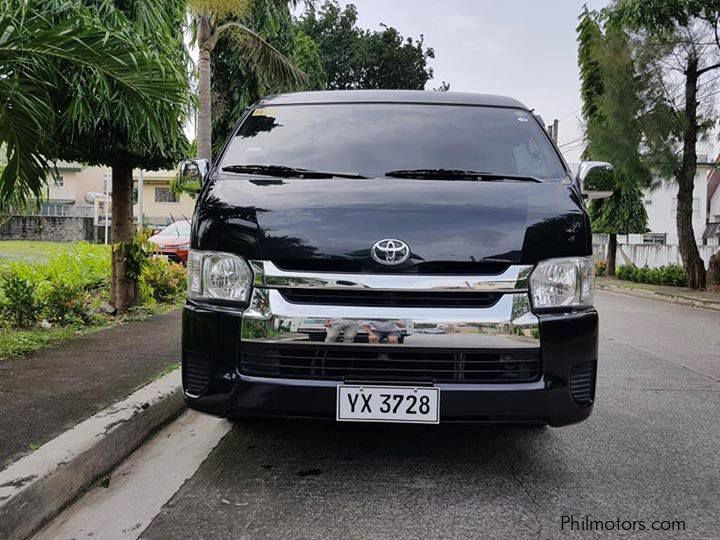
(32, 251)
(15, 343)
(53, 266)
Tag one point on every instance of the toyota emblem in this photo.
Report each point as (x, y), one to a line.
(390, 251)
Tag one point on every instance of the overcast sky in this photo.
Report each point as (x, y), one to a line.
(521, 48)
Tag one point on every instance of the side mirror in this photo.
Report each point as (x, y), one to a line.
(596, 179)
(192, 174)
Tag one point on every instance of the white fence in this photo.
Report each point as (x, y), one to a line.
(64, 210)
(652, 255)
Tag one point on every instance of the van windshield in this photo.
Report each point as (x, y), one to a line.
(370, 139)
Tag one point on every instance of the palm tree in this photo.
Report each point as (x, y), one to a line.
(213, 18)
(37, 51)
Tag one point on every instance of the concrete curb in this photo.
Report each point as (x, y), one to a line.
(36, 487)
(672, 298)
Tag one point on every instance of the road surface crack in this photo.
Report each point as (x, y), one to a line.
(530, 493)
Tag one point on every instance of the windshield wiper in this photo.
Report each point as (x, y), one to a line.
(287, 172)
(458, 174)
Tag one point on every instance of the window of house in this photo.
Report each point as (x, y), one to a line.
(164, 195)
(59, 181)
(648, 202)
(655, 238)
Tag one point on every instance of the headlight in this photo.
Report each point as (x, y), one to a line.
(566, 282)
(218, 276)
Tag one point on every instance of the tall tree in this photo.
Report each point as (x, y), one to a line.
(110, 130)
(236, 83)
(589, 39)
(612, 109)
(212, 20)
(357, 58)
(308, 58)
(682, 37)
(95, 81)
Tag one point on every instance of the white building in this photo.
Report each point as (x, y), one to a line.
(70, 194)
(661, 206)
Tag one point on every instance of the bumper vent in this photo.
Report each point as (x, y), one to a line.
(365, 297)
(195, 373)
(582, 383)
(339, 363)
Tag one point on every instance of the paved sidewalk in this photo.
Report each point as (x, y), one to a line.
(678, 295)
(47, 392)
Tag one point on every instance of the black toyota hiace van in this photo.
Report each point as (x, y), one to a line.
(397, 256)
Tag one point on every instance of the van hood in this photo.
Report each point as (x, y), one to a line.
(340, 219)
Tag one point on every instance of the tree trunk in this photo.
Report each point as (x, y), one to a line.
(124, 291)
(692, 262)
(204, 118)
(611, 255)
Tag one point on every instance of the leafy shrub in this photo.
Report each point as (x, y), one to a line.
(672, 275)
(626, 272)
(67, 304)
(20, 305)
(600, 268)
(137, 253)
(66, 287)
(166, 280)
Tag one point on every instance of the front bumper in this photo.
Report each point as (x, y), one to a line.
(564, 393)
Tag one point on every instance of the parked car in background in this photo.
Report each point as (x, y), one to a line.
(174, 241)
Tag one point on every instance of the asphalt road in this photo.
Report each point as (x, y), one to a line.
(651, 451)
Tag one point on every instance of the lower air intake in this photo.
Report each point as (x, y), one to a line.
(195, 373)
(582, 383)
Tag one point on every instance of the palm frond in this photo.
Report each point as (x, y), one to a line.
(270, 64)
(220, 8)
(107, 74)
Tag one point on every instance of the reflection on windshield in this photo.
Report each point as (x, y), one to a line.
(372, 138)
(179, 228)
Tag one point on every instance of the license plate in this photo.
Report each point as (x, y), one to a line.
(403, 404)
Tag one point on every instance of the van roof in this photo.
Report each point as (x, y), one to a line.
(391, 96)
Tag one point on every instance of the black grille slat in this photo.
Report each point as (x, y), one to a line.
(264, 357)
(369, 266)
(339, 363)
(371, 297)
(376, 368)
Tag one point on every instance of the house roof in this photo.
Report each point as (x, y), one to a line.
(712, 230)
(69, 165)
(391, 96)
(712, 184)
